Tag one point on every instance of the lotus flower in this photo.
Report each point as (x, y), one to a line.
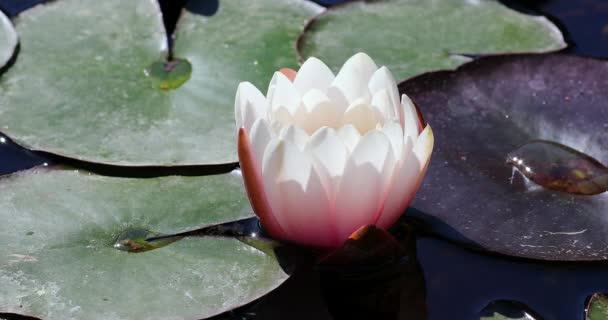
(325, 154)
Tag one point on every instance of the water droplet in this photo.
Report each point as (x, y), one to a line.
(169, 75)
(558, 167)
(138, 240)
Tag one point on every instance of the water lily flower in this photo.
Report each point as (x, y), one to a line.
(323, 154)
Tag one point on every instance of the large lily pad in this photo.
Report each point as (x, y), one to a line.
(8, 39)
(415, 36)
(79, 89)
(57, 259)
(482, 112)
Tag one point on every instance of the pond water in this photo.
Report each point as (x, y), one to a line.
(459, 282)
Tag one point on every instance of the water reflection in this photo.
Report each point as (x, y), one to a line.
(559, 167)
(460, 282)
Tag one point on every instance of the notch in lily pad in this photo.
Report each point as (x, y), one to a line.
(169, 75)
(134, 240)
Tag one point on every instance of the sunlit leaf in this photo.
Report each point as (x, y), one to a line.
(415, 36)
(89, 82)
(8, 39)
(58, 260)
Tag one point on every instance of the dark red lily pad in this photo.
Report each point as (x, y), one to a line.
(484, 111)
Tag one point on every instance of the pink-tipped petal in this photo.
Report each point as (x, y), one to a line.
(365, 180)
(296, 194)
(289, 73)
(353, 78)
(252, 177)
(313, 74)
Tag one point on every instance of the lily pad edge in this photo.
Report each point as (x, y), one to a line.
(467, 57)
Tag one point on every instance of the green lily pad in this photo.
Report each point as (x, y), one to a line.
(87, 96)
(597, 308)
(58, 260)
(8, 39)
(415, 36)
(507, 310)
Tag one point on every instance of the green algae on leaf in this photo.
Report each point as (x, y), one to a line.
(415, 36)
(86, 96)
(168, 75)
(8, 39)
(58, 261)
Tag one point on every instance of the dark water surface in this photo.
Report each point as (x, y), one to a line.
(459, 282)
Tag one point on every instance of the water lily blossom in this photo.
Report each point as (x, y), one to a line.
(325, 154)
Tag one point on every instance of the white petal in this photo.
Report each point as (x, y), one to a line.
(282, 116)
(261, 135)
(313, 74)
(383, 79)
(394, 132)
(330, 154)
(350, 136)
(405, 182)
(364, 183)
(383, 104)
(361, 116)
(284, 94)
(249, 116)
(296, 195)
(410, 118)
(423, 147)
(354, 76)
(295, 135)
(247, 93)
(318, 111)
(337, 99)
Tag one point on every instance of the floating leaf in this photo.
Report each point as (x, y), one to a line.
(507, 310)
(597, 308)
(481, 113)
(8, 39)
(58, 261)
(414, 36)
(86, 95)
